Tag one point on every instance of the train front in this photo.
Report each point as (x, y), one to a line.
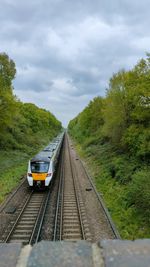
(39, 172)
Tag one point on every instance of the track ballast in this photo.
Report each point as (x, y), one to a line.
(70, 215)
(70, 218)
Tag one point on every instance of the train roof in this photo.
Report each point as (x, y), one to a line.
(43, 156)
(40, 159)
(47, 153)
(48, 149)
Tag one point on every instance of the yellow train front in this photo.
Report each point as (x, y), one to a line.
(42, 167)
(40, 171)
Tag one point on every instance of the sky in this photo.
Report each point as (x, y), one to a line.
(66, 51)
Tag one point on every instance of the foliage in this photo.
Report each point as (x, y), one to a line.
(139, 192)
(88, 122)
(13, 166)
(122, 117)
(114, 132)
(24, 128)
(7, 71)
(21, 124)
(11, 169)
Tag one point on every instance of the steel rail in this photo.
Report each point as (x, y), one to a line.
(36, 222)
(62, 203)
(62, 196)
(42, 217)
(13, 228)
(44, 211)
(60, 191)
(75, 190)
(57, 206)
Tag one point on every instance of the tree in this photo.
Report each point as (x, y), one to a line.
(7, 99)
(7, 71)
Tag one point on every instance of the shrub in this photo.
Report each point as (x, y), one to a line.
(139, 192)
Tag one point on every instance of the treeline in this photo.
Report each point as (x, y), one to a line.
(22, 125)
(115, 132)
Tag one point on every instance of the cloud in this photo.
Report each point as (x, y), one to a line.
(65, 51)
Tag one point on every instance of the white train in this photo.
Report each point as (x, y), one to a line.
(41, 168)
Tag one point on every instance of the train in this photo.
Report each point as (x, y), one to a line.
(41, 167)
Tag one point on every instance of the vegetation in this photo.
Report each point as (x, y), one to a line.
(13, 165)
(113, 134)
(24, 129)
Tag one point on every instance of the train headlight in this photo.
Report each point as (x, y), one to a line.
(48, 175)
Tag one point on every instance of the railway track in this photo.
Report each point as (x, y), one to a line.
(71, 221)
(28, 224)
(70, 217)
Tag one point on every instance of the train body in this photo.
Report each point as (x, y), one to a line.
(41, 168)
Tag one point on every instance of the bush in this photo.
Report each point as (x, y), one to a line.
(139, 192)
(123, 168)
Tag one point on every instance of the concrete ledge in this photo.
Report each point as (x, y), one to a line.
(109, 253)
(126, 253)
(9, 254)
(62, 254)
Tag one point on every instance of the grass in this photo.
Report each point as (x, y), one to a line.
(13, 166)
(130, 224)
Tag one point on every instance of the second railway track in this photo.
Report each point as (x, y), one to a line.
(27, 226)
(70, 217)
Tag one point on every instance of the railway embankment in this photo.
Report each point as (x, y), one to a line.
(24, 130)
(101, 162)
(113, 136)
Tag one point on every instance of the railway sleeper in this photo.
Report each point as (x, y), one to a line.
(30, 216)
(71, 212)
(19, 226)
(69, 202)
(72, 235)
(32, 208)
(25, 241)
(30, 212)
(34, 203)
(69, 205)
(71, 225)
(20, 231)
(72, 231)
(21, 236)
(26, 220)
(71, 220)
(70, 198)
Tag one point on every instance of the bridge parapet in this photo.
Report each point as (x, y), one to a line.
(109, 253)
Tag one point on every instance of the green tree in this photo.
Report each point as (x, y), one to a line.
(7, 71)
(21, 125)
(7, 99)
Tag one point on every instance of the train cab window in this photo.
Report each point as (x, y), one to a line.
(39, 167)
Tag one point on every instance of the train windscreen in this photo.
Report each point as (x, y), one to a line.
(39, 167)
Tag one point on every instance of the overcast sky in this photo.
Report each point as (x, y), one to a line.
(66, 50)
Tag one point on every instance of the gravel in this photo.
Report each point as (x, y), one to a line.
(11, 207)
(98, 223)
